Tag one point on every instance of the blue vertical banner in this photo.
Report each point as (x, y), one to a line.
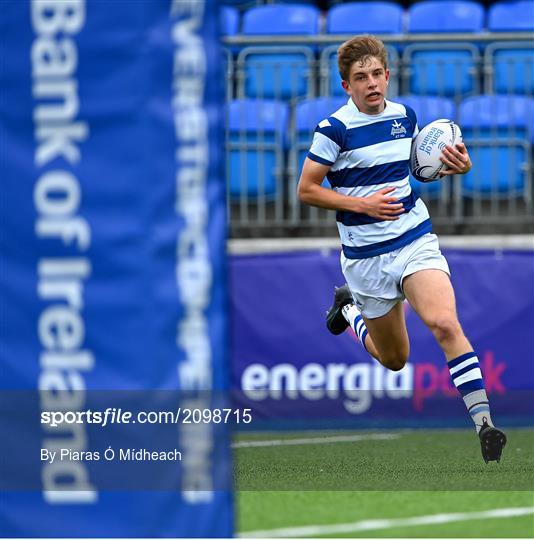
(112, 235)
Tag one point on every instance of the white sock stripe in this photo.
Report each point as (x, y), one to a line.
(464, 364)
(350, 313)
(471, 375)
(359, 327)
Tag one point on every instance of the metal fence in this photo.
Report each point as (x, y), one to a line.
(278, 92)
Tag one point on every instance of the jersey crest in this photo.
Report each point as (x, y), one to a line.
(397, 130)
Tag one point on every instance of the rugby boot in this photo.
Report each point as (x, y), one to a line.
(492, 441)
(335, 322)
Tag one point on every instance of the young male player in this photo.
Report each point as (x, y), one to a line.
(388, 250)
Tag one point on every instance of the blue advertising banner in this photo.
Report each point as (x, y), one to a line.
(290, 367)
(113, 267)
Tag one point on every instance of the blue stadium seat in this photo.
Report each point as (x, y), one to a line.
(275, 72)
(510, 67)
(498, 131)
(281, 19)
(257, 140)
(278, 72)
(365, 17)
(446, 69)
(229, 21)
(511, 64)
(308, 114)
(360, 18)
(511, 16)
(445, 16)
(427, 109)
(449, 70)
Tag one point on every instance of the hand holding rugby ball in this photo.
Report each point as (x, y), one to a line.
(425, 162)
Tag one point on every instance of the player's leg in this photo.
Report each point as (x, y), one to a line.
(388, 337)
(385, 337)
(431, 294)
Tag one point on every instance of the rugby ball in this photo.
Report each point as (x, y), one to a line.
(425, 164)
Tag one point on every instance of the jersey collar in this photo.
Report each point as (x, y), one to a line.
(355, 109)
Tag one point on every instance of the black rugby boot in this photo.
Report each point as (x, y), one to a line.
(335, 322)
(492, 441)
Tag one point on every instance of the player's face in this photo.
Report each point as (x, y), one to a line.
(367, 84)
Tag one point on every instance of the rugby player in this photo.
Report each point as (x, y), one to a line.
(388, 250)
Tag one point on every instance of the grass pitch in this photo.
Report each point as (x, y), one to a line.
(389, 476)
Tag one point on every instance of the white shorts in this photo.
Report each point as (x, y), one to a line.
(376, 282)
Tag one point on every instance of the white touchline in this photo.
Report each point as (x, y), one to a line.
(317, 440)
(375, 524)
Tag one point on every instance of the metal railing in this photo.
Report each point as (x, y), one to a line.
(496, 197)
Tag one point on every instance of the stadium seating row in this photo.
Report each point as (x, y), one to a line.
(381, 17)
(267, 142)
(453, 69)
(440, 69)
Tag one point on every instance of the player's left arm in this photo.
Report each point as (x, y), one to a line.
(456, 159)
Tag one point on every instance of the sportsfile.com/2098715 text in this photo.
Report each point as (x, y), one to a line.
(113, 415)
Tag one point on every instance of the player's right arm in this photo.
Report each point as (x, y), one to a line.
(380, 205)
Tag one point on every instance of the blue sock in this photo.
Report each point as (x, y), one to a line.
(467, 377)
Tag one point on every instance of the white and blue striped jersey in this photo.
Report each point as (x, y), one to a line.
(368, 153)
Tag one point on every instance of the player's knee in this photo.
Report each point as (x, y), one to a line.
(445, 327)
(395, 361)
(396, 366)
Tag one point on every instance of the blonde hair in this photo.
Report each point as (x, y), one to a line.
(360, 49)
